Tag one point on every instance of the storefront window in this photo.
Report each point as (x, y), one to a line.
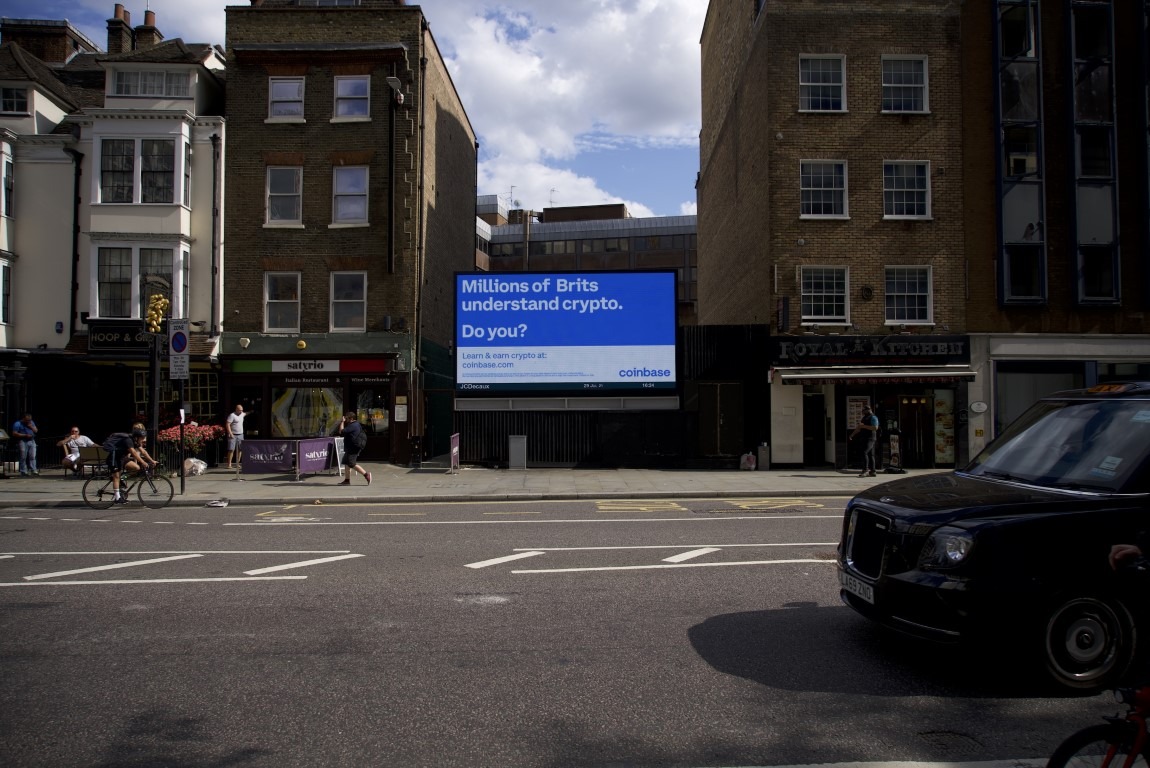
(305, 411)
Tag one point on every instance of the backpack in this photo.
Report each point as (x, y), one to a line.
(359, 440)
(115, 441)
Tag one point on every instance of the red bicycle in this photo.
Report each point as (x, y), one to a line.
(1120, 742)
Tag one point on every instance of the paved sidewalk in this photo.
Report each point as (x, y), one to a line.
(393, 483)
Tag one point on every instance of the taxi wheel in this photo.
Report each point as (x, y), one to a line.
(1088, 641)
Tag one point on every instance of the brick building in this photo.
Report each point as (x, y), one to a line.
(830, 206)
(351, 203)
(1055, 122)
(956, 192)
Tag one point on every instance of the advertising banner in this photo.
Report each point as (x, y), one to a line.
(565, 331)
(263, 456)
(315, 454)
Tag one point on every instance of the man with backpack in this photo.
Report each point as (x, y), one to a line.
(869, 424)
(354, 441)
(126, 451)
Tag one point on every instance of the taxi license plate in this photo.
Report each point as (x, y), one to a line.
(856, 587)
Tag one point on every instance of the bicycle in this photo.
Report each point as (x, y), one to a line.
(154, 491)
(1120, 742)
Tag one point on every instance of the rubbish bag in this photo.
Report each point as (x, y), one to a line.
(194, 467)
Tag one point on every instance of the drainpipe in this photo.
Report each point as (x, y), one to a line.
(77, 161)
(393, 104)
(215, 137)
(417, 415)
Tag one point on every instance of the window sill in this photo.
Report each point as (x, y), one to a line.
(349, 330)
(822, 111)
(284, 119)
(358, 225)
(817, 217)
(909, 323)
(365, 119)
(908, 218)
(284, 225)
(282, 331)
(904, 112)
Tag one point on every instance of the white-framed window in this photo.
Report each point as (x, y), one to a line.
(150, 83)
(9, 187)
(352, 96)
(905, 84)
(822, 84)
(5, 292)
(285, 97)
(824, 295)
(348, 301)
(285, 195)
(909, 298)
(281, 302)
(14, 101)
(137, 170)
(127, 275)
(349, 195)
(823, 189)
(906, 189)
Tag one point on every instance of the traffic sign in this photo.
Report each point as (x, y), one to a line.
(178, 348)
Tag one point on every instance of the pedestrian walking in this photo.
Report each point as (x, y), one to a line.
(235, 433)
(25, 431)
(869, 424)
(354, 441)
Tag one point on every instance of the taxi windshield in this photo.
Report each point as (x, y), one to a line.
(1094, 446)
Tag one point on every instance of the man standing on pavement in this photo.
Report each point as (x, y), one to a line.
(354, 441)
(235, 433)
(869, 424)
(25, 431)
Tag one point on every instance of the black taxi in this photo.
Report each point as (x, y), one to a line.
(1011, 551)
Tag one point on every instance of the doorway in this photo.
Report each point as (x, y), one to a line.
(372, 409)
(721, 419)
(814, 430)
(916, 423)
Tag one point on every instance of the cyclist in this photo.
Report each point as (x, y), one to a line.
(126, 451)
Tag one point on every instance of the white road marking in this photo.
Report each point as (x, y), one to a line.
(498, 560)
(4, 557)
(678, 546)
(301, 564)
(677, 565)
(147, 581)
(111, 567)
(197, 552)
(683, 556)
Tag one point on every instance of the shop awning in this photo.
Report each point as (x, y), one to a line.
(853, 374)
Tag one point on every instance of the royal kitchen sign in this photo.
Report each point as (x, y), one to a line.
(896, 349)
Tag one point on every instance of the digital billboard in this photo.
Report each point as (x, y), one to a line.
(565, 332)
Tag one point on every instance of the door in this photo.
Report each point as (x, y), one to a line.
(721, 419)
(372, 404)
(814, 431)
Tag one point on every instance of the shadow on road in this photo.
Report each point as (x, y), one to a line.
(803, 647)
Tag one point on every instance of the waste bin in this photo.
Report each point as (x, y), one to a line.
(517, 451)
(764, 457)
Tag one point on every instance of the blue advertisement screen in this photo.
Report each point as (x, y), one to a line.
(565, 331)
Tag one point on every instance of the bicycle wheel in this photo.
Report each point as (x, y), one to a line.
(155, 492)
(1105, 745)
(98, 492)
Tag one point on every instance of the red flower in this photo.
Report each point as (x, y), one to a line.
(195, 435)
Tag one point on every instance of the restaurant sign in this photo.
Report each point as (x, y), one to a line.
(118, 336)
(895, 349)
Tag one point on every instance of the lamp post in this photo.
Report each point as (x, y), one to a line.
(154, 320)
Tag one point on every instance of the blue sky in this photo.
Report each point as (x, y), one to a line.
(575, 102)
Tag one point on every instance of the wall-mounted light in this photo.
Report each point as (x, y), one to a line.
(245, 342)
(301, 344)
(59, 326)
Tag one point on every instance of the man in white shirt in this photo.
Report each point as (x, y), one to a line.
(72, 445)
(235, 434)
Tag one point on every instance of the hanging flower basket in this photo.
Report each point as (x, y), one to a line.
(196, 436)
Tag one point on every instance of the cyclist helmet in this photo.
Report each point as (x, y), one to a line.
(139, 433)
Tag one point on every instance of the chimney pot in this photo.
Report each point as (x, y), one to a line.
(149, 18)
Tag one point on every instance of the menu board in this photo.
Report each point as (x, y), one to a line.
(943, 426)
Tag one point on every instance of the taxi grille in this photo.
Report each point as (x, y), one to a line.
(867, 545)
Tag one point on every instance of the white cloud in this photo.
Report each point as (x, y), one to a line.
(543, 82)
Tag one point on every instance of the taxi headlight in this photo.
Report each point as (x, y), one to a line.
(946, 548)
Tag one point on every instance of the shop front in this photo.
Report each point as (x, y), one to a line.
(916, 385)
(306, 398)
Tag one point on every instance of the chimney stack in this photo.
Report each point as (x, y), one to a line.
(121, 39)
(147, 36)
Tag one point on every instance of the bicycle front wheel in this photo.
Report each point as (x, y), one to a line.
(98, 492)
(155, 492)
(1099, 746)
